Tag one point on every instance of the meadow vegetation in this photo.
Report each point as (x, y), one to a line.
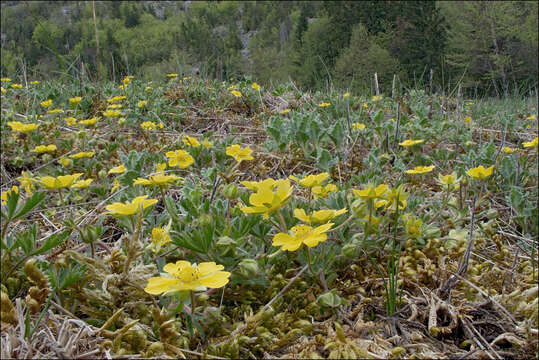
(185, 217)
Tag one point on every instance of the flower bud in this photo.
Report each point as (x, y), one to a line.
(205, 220)
(230, 191)
(248, 268)
(329, 300)
(349, 250)
(226, 245)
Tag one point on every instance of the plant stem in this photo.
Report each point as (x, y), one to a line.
(309, 261)
(343, 224)
(193, 306)
(61, 197)
(283, 224)
(24, 258)
(130, 246)
(4, 230)
(394, 266)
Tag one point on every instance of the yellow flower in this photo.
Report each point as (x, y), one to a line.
(450, 181)
(35, 82)
(172, 75)
(82, 154)
(413, 226)
(20, 127)
(44, 148)
(323, 191)
(469, 103)
(324, 104)
(207, 144)
(114, 106)
(480, 172)
(160, 236)
(5, 79)
(318, 217)
(148, 125)
(117, 169)
(190, 141)
(531, 117)
(55, 111)
(238, 153)
(116, 184)
(377, 98)
(232, 87)
(46, 103)
(65, 161)
(311, 180)
(358, 126)
(116, 99)
(88, 122)
(126, 80)
(371, 193)
(16, 86)
(508, 150)
(254, 185)
(420, 170)
(179, 158)
(112, 113)
(269, 198)
(27, 182)
(81, 184)
(130, 207)
(3, 90)
(147, 88)
(142, 103)
(255, 86)
(468, 119)
(411, 142)
(285, 111)
(70, 121)
(236, 93)
(392, 195)
(532, 143)
(161, 167)
(75, 100)
(184, 276)
(159, 179)
(301, 234)
(4, 194)
(365, 106)
(345, 95)
(59, 182)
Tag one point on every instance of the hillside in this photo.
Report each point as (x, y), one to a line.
(490, 48)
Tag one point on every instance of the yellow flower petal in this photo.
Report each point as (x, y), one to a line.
(158, 285)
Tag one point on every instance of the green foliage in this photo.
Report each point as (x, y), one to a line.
(356, 65)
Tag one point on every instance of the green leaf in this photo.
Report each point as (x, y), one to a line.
(274, 133)
(379, 117)
(11, 205)
(26, 241)
(30, 204)
(171, 207)
(51, 242)
(324, 160)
